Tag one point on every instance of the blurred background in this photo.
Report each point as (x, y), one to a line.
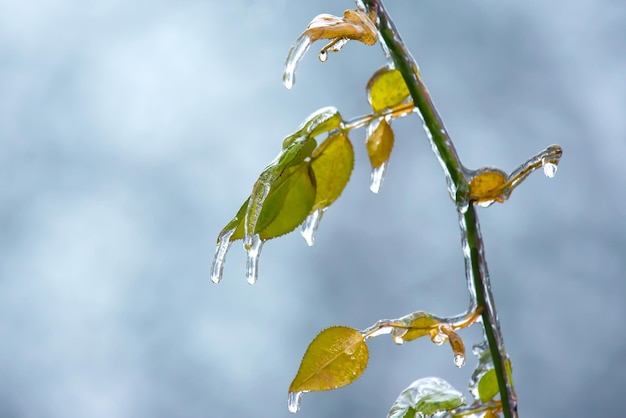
(131, 132)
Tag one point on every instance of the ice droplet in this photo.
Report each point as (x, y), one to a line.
(439, 338)
(297, 51)
(294, 399)
(223, 244)
(549, 168)
(252, 262)
(459, 360)
(323, 55)
(397, 339)
(310, 225)
(377, 177)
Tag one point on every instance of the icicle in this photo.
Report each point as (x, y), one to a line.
(297, 51)
(259, 193)
(310, 225)
(294, 399)
(223, 244)
(377, 177)
(459, 360)
(252, 262)
(549, 168)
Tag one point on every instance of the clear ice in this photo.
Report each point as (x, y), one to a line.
(294, 399)
(310, 225)
(259, 193)
(549, 168)
(377, 177)
(217, 267)
(297, 51)
(459, 360)
(252, 261)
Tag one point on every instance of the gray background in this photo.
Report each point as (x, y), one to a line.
(131, 132)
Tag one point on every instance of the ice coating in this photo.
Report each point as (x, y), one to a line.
(310, 225)
(259, 193)
(252, 261)
(297, 51)
(377, 177)
(223, 244)
(294, 399)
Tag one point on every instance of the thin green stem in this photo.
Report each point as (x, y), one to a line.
(441, 143)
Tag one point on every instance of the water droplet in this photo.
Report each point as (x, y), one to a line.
(297, 51)
(549, 168)
(223, 244)
(323, 55)
(439, 338)
(294, 399)
(459, 360)
(310, 225)
(377, 177)
(252, 262)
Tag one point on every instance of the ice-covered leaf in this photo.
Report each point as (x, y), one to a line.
(488, 383)
(425, 397)
(386, 89)
(287, 205)
(354, 25)
(489, 185)
(415, 325)
(332, 164)
(323, 120)
(380, 143)
(335, 358)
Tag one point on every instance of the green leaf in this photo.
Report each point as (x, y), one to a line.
(415, 325)
(426, 397)
(332, 164)
(323, 120)
(380, 143)
(386, 89)
(335, 358)
(287, 205)
(488, 384)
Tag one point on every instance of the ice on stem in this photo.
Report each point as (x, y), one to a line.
(377, 177)
(297, 51)
(310, 225)
(294, 399)
(252, 261)
(223, 244)
(459, 360)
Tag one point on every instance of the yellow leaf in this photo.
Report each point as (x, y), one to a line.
(380, 143)
(335, 358)
(386, 89)
(332, 164)
(354, 24)
(488, 186)
(415, 325)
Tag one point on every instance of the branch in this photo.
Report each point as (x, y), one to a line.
(458, 187)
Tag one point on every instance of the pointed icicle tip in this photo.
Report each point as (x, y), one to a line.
(377, 177)
(217, 267)
(294, 399)
(297, 51)
(252, 261)
(310, 225)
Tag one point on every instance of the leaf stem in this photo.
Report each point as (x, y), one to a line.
(441, 143)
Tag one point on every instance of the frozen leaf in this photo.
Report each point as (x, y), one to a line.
(332, 164)
(386, 89)
(380, 143)
(354, 25)
(426, 397)
(488, 383)
(335, 358)
(287, 205)
(415, 325)
(489, 185)
(323, 120)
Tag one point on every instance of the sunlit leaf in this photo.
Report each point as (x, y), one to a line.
(380, 143)
(488, 383)
(335, 358)
(425, 397)
(332, 164)
(355, 25)
(415, 325)
(386, 89)
(488, 186)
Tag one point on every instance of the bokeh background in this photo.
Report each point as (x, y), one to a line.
(131, 132)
